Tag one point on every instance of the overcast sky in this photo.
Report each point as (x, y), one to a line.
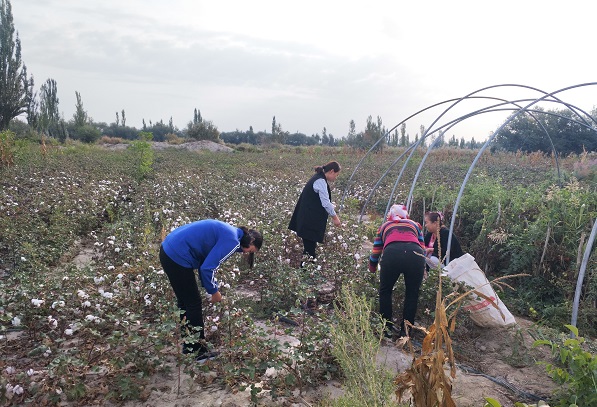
(311, 64)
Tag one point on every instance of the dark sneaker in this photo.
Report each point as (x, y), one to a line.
(204, 357)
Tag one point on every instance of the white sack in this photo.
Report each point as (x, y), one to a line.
(483, 313)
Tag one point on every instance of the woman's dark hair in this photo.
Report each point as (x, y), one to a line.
(332, 165)
(251, 237)
(435, 216)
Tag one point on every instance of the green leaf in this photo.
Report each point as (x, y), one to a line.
(541, 342)
(573, 329)
(492, 402)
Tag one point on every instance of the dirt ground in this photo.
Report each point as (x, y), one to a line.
(496, 363)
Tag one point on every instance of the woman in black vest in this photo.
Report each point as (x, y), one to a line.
(313, 207)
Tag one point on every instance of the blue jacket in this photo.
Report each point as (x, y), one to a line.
(203, 245)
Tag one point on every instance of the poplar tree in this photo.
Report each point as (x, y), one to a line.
(15, 88)
(49, 117)
(80, 117)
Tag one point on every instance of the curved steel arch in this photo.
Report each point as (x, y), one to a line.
(470, 96)
(492, 109)
(545, 97)
(482, 149)
(450, 125)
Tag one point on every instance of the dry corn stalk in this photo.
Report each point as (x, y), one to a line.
(426, 379)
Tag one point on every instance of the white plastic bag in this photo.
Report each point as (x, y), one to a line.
(483, 313)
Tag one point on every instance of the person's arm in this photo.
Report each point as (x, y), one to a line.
(376, 251)
(221, 251)
(420, 236)
(321, 187)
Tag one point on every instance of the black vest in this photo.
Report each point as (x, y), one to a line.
(309, 218)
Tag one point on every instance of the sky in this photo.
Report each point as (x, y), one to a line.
(311, 64)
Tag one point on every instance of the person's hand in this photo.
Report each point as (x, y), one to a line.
(428, 250)
(216, 297)
(372, 267)
(336, 220)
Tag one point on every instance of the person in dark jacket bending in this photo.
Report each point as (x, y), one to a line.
(401, 242)
(309, 219)
(203, 245)
(434, 223)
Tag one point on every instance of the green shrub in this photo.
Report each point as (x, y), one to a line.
(575, 369)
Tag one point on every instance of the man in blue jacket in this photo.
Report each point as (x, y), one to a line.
(203, 246)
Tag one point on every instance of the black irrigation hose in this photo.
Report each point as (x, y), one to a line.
(520, 393)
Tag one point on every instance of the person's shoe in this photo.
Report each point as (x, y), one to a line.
(204, 357)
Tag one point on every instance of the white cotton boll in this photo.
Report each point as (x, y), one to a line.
(82, 294)
(110, 268)
(271, 372)
(86, 304)
(37, 302)
(107, 295)
(214, 328)
(252, 282)
(160, 272)
(98, 280)
(357, 256)
(318, 268)
(23, 259)
(90, 317)
(110, 241)
(18, 389)
(10, 370)
(226, 285)
(48, 352)
(119, 276)
(117, 249)
(30, 372)
(68, 331)
(57, 304)
(16, 321)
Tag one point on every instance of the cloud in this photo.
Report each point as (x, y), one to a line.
(311, 64)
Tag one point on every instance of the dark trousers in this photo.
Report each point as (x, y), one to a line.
(309, 247)
(401, 258)
(188, 298)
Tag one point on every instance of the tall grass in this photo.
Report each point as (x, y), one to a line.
(355, 347)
